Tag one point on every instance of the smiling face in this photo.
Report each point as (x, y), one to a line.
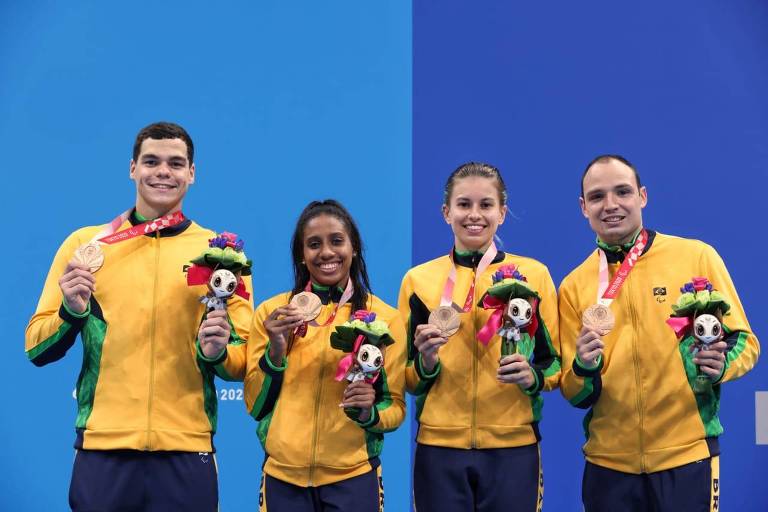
(474, 211)
(327, 250)
(612, 202)
(162, 173)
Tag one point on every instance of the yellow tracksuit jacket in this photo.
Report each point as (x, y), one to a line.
(644, 416)
(308, 439)
(461, 404)
(141, 386)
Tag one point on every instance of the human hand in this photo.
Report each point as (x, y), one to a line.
(214, 333)
(712, 361)
(280, 325)
(360, 395)
(77, 285)
(515, 369)
(589, 347)
(428, 340)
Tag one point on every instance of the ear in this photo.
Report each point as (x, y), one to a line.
(132, 170)
(446, 212)
(503, 214)
(191, 174)
(583, 206)
(643, 197)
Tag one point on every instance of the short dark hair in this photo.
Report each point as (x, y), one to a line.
(607, 158)
(478, 169)
(357, 272)
(164, 130)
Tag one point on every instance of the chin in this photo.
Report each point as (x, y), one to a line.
(475, 244)
(615, 238)
(326, 280)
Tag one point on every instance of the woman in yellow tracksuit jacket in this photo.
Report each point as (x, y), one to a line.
(478, 415)
(318, 457)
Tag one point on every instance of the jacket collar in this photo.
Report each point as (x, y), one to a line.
(471, 259)
(327, 294)
(165, 232)
(616, 253)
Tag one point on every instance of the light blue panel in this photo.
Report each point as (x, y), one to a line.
(286, 102)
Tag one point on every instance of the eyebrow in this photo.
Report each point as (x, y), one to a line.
(320, 237)
(174, 158)
(486, 198)
(615, 187)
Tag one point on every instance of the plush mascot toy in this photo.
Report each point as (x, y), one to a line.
(363, 339)
(514, 304)
(697, 318)
(221, 267)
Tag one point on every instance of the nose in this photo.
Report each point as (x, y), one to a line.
(610, 202)
(326, 251)
(163, 169)
(474, 212)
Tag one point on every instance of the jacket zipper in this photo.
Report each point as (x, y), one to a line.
(636, 360)
(473, 441)
(316, 417)
(156, 245)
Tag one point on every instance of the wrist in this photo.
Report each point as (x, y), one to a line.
(365, 415)
(271, 366)
(428, 363)
(77, 314)
(211, 351)
(588, 365)
(276, 353)
(421, 370)
(213, 360)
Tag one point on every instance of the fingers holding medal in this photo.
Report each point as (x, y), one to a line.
(308, 305)
(443, 323)
(598, 318)
(89, 255)
(597, 321)
(446, 320)
(78, 283)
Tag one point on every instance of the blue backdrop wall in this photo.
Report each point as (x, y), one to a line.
(539, 89)
(375, 103)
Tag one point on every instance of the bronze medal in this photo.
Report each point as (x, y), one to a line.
(309, 305)
(598, 318)
(446, 319)
(90, 255)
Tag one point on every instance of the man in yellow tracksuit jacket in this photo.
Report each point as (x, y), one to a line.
(146, 400)
(651, 440)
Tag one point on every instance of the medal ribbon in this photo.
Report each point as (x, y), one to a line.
(348, 291)
(144, 228)
(607, 292)
(485, 262)
(110, 228)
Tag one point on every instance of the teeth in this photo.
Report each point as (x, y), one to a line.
(329, 266)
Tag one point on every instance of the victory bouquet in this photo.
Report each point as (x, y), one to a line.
(697, 321)
(221, 267)
(514, 305)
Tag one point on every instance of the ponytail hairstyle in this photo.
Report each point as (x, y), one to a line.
(358, 272)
